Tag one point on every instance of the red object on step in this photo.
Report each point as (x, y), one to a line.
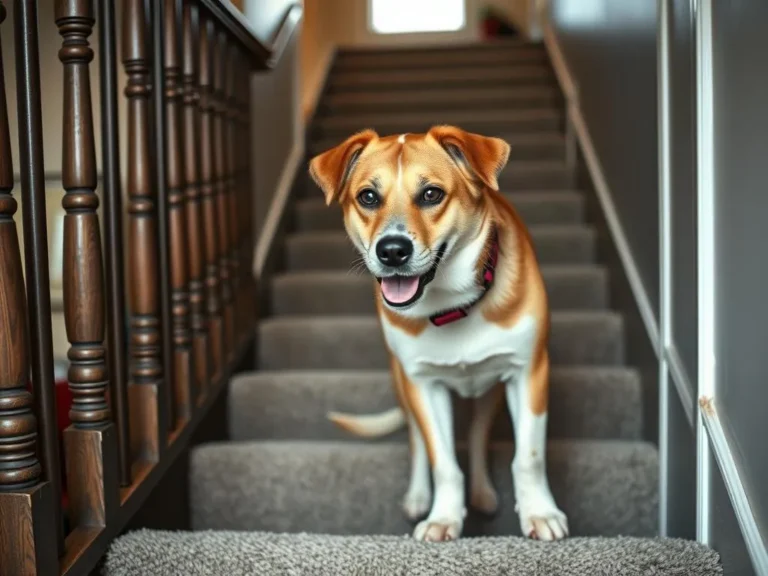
(490, 28)
(63, 405)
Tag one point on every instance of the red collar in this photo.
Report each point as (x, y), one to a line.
(489, 273)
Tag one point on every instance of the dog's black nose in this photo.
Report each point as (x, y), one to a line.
(394, 251)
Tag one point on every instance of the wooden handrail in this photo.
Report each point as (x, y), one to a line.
(156, 324)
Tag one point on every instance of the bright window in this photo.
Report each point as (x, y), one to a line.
(407, 16)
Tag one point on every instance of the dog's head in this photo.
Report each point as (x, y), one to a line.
(410, 200)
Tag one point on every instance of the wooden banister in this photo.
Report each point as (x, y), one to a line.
(143, 376)
(90, 442)
(32, 171)
(177, 213)
(209, 192)
(229, 118)
(148, 402)
(218, 48)
(201, 350)
(113, 233)
(26, 506)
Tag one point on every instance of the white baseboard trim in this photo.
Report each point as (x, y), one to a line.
(277, 207)
(602, 190)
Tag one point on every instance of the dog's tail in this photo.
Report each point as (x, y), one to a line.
(370, 425)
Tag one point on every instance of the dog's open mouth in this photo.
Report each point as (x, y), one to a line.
(401, 291)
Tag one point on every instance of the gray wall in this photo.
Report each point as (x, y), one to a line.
(681, 458)
(683, 166)
(610, 47)
(741, 150)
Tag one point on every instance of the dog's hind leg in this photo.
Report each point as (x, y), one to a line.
(482, 494)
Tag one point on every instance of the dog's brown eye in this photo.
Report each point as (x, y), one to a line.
(368, 198)
(431, 196)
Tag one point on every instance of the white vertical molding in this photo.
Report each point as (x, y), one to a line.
(665, 253)
(706, 261)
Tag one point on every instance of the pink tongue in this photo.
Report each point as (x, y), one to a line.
(399, 289)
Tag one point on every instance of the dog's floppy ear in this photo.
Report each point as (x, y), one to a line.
(331, 169)
(481, 156)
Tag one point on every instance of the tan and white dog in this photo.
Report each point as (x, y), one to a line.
(462, 307)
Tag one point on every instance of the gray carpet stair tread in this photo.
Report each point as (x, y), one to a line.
(487, 122)
(535, 208)
(524, 146)
(233, 553)
(338, 292)
(439, 77)
(376, 102)
(538, 175)
(334, 251)
(356, 342)
(453, 57)
(585, 402)
(605, 487)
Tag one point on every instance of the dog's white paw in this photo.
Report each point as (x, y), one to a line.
(416, 504)
(438, 530)
(543, 521)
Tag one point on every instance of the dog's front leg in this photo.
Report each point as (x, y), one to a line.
(540, 517)
(432, 408)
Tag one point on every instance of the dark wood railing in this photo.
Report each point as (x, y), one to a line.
(144, 366)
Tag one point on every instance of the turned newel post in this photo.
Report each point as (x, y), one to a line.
(90, 442)
(27, 524)
(147, 400)
(177, 202)
(195, 234)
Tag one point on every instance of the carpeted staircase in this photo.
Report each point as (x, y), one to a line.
(286, 469)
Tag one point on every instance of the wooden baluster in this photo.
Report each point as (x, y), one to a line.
(32, 169)
(218, 43)
(237, 151)
(113, 233)
(229, 114)
(91, 441)
(159, 132)
(247, 231)
(27, 521)
(208, 191)
(148, 408)
(177, 206)
(201, 351)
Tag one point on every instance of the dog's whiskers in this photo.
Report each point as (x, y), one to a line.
(357, 267)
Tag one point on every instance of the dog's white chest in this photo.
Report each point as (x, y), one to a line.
(469, 356)
(469, 379)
